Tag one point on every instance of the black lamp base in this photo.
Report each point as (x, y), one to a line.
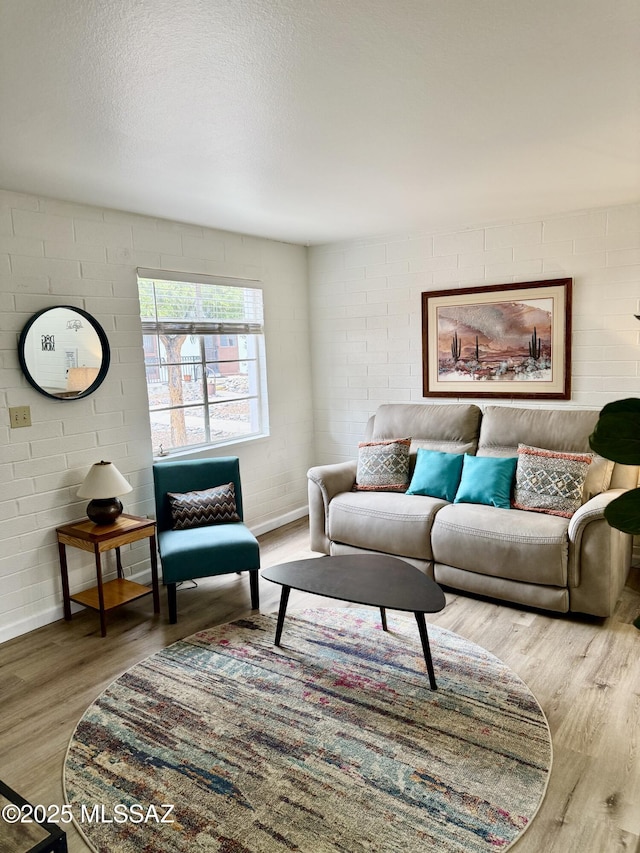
(104, 510)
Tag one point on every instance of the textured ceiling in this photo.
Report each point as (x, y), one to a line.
(318, 120)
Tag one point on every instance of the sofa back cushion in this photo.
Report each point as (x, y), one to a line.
(452, 428)
(505, 427)
(564, 430)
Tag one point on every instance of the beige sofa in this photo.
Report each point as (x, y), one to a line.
(577, 564)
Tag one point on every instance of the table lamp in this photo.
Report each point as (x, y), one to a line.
(102, 484)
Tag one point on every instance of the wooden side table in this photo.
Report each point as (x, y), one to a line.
(99, 538)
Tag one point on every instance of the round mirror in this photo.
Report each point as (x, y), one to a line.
(64, 352)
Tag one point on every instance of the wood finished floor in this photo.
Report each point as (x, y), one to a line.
(584, 672)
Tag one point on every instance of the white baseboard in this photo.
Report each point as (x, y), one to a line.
(280, 521)
(38, 620)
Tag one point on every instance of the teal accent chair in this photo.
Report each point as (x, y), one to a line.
(217, 549)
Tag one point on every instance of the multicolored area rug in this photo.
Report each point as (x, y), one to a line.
(332, 742)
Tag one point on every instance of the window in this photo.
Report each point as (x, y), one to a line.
(203, 343)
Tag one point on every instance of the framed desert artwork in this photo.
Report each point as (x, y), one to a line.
(503, 340)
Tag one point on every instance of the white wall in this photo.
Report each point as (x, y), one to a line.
(54, 253)
(365, 326)
(366, 316)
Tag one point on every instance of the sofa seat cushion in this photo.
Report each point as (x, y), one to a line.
(506, 543)
(384, 521)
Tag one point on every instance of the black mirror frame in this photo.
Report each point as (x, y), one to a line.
(104, 343)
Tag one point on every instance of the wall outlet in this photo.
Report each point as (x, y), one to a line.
(19, 416)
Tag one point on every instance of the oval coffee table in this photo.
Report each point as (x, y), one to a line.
(373, 579)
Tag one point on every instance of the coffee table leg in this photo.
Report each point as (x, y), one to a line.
(383, 618)
(424, 639)
(284, 598)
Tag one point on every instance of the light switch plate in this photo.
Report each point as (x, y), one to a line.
(19, 416)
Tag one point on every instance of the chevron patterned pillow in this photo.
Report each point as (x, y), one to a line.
(209, 506)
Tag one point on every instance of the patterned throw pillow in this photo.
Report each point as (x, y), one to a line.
(383, 466)
(209, 506)
(550, 481)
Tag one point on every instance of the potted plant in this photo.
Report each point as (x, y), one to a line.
(617, 436)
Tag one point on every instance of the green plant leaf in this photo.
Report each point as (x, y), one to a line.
(617, 433)
(630, 404)
(623, 513)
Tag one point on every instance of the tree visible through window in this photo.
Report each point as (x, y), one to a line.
(204, 358)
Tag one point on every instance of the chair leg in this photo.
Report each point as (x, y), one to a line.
(255, 592)
(172, 598)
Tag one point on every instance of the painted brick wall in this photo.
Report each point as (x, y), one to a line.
(364, 321)
(54, 253)
(365, 305)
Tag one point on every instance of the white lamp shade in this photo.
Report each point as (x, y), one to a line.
(103, 481)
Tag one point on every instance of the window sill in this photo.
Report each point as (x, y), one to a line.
(205, 451)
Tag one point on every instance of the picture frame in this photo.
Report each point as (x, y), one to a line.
(501, 340)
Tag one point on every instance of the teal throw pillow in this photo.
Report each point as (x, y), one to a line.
(487, 480)
(436, 474)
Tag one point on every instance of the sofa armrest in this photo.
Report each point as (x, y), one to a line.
(324, 483)
(590, 511)
(333, 479)
(599, 557)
